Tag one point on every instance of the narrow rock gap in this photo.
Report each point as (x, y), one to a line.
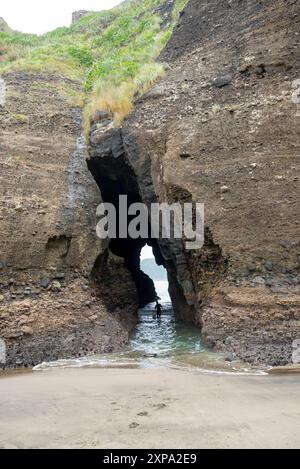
(114, 178)
(109, 165)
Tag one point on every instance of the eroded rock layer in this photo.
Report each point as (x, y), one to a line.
(220, 128)
(49, 306)
(223, 127)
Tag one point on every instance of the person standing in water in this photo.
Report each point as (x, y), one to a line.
(159, 310)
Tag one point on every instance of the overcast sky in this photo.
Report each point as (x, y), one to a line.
(40, 16)
(147, 253)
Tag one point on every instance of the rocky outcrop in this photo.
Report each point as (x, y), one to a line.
(4, 28)
(109, 166)
(46, 188)
(119, 168)
(77, 15)
(222, 128)
(49, 306)
(73, 317)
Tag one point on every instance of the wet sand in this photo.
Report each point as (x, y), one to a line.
(106, 408)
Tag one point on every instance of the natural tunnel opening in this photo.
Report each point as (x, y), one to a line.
(130, 251)
(158, 273)
(161, 337)
(115, 177)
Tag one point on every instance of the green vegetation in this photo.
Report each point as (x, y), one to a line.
(112, 53)
(21, 118)
(178, 7)
(216, 108)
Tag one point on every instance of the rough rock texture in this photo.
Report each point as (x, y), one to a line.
(46, 189)
(222, 128)
(120, 169)
(74, 317)
(115, 178)
(4, 28)
(48, 242)
(77, 15)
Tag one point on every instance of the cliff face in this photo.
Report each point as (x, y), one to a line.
(61, 293)
(48, 196)
(222, 128)
(49, 307)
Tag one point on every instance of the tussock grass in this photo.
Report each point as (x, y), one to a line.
(118, 100)
(178, 7)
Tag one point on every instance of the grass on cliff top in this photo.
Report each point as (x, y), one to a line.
(111, 52)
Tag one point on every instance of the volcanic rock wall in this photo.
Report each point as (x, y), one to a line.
(223, 127)
(49, 307)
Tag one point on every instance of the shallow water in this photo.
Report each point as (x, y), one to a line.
(160, 343)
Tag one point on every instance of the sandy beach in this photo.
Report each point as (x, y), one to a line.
(132, 408)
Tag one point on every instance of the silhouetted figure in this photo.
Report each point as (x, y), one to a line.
(159, 310)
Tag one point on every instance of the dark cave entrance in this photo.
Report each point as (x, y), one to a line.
(130, 250)
(114, 178)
